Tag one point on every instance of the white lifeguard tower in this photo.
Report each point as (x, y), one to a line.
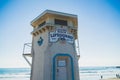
(54, 48)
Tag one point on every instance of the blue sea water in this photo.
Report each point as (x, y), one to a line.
(86, 73)
(14, 73)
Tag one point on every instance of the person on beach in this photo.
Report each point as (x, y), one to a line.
(101, 76)
(117, 75)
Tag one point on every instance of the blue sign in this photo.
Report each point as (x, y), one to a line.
(40, 41)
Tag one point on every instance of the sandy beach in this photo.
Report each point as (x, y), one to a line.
(111, 79)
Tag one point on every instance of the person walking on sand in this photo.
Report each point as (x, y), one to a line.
(101, 76)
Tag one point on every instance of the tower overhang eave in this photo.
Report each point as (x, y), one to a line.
(49, 13)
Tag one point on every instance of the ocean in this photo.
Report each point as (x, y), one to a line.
(86, 73)
(14, 73)
(95, 73)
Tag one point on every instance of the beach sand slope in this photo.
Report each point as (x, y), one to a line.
(111, 79)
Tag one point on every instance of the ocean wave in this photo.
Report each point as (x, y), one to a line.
(88, 72)
(14, 73)
(14, 76)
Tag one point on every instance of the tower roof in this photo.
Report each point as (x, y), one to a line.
(52, 13)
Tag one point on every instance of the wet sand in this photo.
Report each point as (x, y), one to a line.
(111, 79)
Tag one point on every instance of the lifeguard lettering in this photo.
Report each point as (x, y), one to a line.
(62, 35)
(61, 31)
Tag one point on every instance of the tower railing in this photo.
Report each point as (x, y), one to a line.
(27, 52)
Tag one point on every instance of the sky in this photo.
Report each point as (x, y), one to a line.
(98, 29)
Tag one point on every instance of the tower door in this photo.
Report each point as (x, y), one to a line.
(63, 67)
(61, 70)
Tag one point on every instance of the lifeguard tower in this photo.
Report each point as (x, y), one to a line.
(54, 48)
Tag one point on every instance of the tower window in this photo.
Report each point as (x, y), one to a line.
(61, 22)
(61, 63)
(43, 23)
